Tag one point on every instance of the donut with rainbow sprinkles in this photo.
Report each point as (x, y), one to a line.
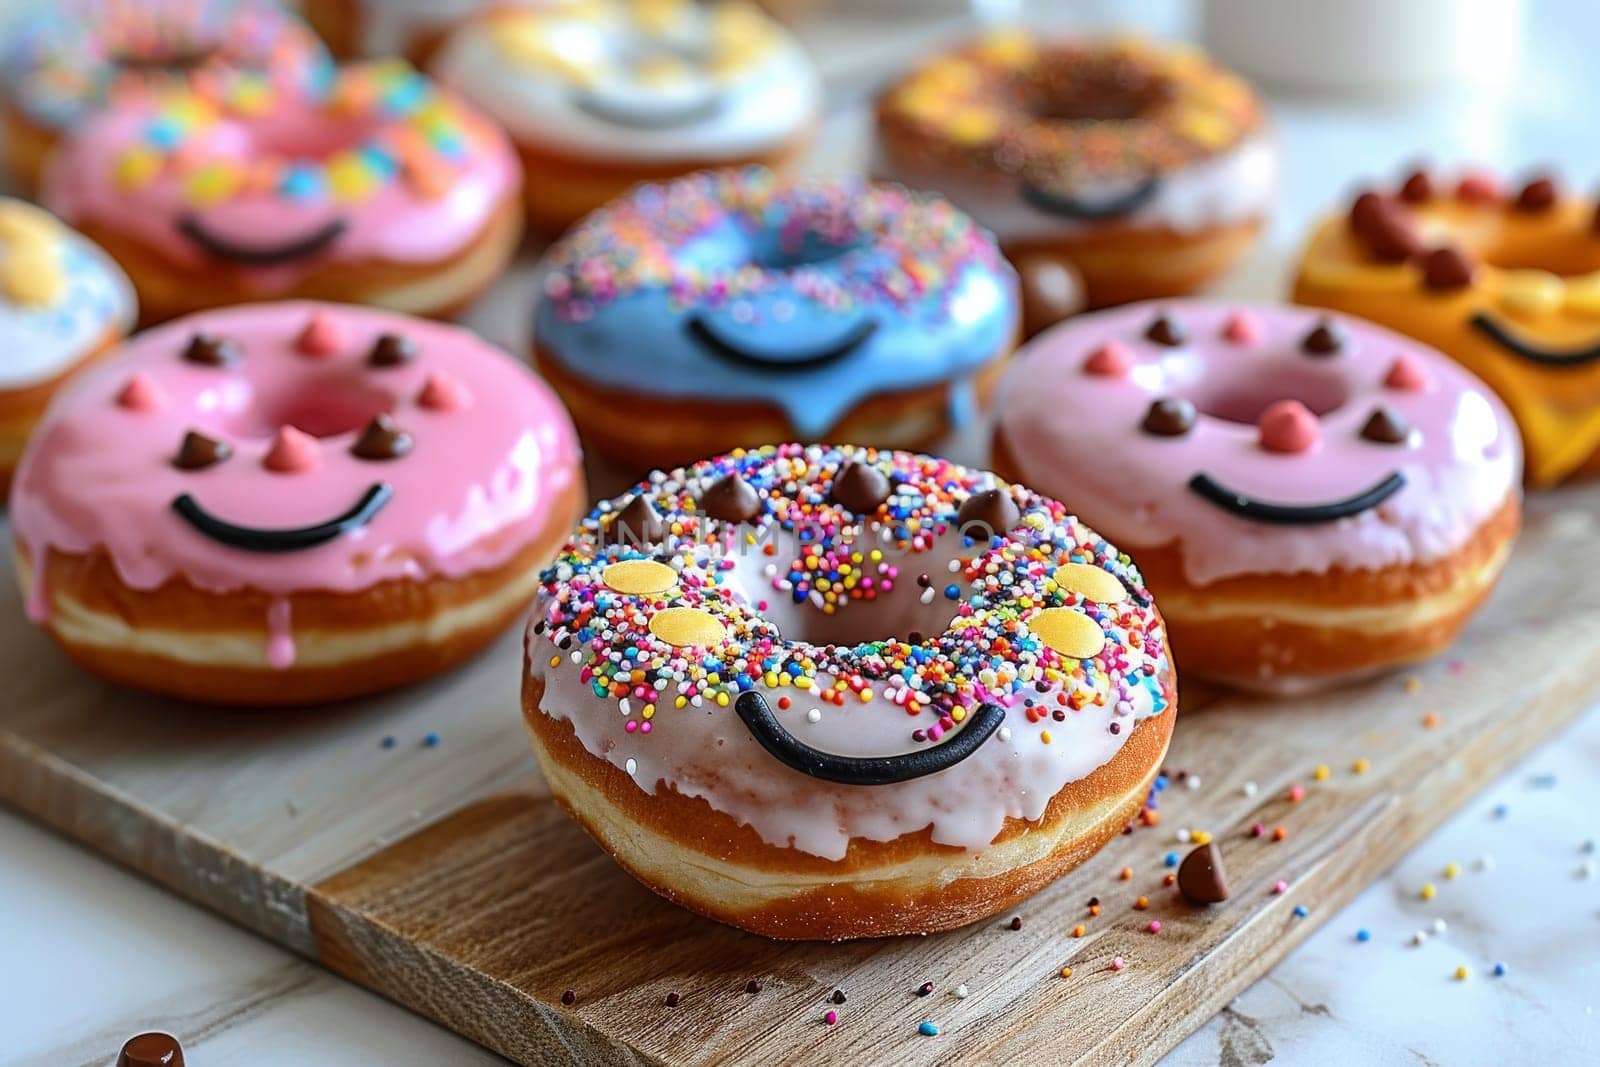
(828, 693)
(372, 186)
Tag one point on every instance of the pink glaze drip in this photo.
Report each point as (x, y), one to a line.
(470, 494)
(140, 394)
(1079, 439)
(397, 223)
(280, 635)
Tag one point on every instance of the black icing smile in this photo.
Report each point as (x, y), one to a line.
(863, 770)
(1295, 514)
(1081, 209)
(313, 244)
(647, 117)
(1491, 328)
(705, 331)
(255, 539)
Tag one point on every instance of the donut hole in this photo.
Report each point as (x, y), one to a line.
(311, 137)
(800, 244)
(1243, 400)
(1568, 258)
(896, 614)
(1072, 87)
(326, 407)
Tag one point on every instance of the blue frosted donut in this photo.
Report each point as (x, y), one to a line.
(732, 308)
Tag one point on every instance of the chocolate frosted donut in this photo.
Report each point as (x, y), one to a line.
(898, 698)
(1143, 168)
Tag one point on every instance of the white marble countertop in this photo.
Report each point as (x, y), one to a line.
(90, 955)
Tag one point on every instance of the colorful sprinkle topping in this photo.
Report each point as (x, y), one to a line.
(681, 623)
(398, 126)
(839, 242)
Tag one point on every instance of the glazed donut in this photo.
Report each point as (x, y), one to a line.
(291, 503)
(737, 686)
(601, 96)
(1508, 284)
(377, 188)
(66, 60)
(1312, 498)
(375, 29)
(730, 309)
(63, 303)
(1145, 166)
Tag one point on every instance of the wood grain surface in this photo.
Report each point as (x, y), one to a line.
(445, 877)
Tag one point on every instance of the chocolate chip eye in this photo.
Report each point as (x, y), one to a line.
(209, 350)
(1386, 426)
(1385, 227)
(1417, 188)
(1447, 268)
(1169, 417)
(392, 350)
(1325, 339)
(199, 452)
(1165, 330)
(381, 439)
(1538, 195)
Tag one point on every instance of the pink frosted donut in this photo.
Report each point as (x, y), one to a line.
(290, 503)
(373, 187)
(1311, 497)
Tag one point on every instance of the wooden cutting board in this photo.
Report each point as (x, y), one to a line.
(443, 876)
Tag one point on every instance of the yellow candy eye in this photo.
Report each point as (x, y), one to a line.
(1091, 583)
(687, 627)
(1070, 633)
(639, 577)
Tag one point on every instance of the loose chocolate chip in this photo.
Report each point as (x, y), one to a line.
(1417, 188)
(1386, 426)
(673, 1000)
(925, 989)
(569, 998)
(151, 1050)
(1165, 330)
(860, 488)
(392, 350)
(838, 996)
(209, 350)
(991, 510)
(1325, 339)
(752, 986)
(731, 499)
(637, 524)
(1201, 878)
(1538, 195)
(1447, 268)
(1170, 416)
(382, 439)
(197, 452)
